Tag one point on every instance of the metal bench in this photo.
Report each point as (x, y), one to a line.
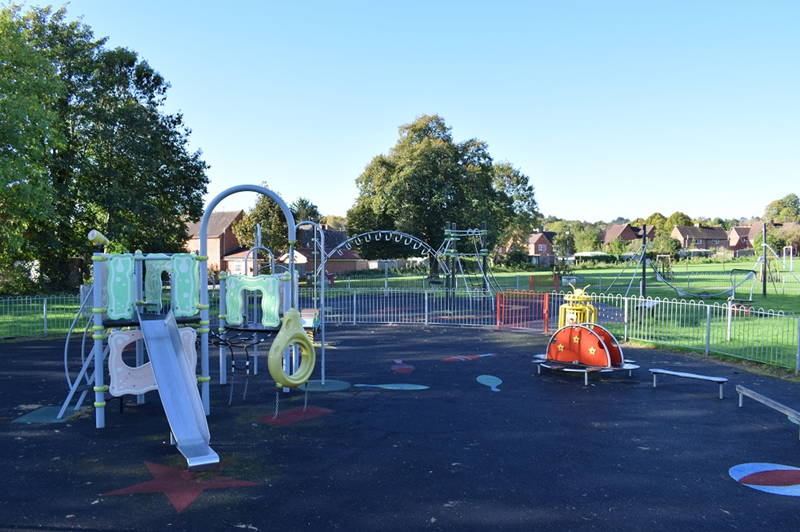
(718, 380)
(791, 413)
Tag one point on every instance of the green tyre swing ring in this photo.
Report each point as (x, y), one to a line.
(291, 332)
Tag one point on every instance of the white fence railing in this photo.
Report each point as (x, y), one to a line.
(28, 316)
(402, 306)
(727, 329)
(746, 333)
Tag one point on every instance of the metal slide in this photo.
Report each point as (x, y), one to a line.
(177, 386)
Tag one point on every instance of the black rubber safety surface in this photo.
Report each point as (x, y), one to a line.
(544, 452)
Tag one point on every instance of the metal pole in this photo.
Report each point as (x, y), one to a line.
(483, 253)
(764, 260)
(644, 260)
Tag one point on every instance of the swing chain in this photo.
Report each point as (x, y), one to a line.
(277, 403)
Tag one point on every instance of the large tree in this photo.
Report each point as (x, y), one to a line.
(124, 167)
(677, 218)
(274, 228)
(428, 179)
(659, 221)
(786, 209)
(29, 87)
(305, 211)
(588, 239)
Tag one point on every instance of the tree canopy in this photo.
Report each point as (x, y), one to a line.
(105, 155)
(786, 209)
(274, 229)
(428, 179)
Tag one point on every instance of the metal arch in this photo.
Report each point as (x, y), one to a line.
(389, 236)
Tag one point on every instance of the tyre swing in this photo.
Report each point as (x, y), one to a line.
(291, 333)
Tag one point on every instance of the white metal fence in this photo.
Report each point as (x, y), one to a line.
(746, 333)
(403, 306)
(27, 316)
(727, 329)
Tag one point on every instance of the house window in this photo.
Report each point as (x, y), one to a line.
(715, 242)
(541, 247)
(698, 240)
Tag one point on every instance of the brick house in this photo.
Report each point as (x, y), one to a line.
(221, 240)
(739, 238)
(540, 247)
(627, 233)
(701, 237)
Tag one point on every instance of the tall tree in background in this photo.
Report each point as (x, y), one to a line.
(678, 218)
(786, 209)
(516, 203)
(274, 228)
(588, 239)
(305, 211)
(29, 132)
(124, 166)
(427, 179)
(337, 223)
(659, 221)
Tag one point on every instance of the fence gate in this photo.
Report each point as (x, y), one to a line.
(523, 310)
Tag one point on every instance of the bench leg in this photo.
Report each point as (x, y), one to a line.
(654, 380)
(586, 378)
(720, 389)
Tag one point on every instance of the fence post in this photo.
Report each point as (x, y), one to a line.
(354, 307)
(797, 359)
(44, 312)
(730, 318)
(625, 320)
(499, 304)
(426, 307)
(708, 329)
(546, 312)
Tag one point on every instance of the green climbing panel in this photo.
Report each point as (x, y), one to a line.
(269, 288)
(153, 287)
(185, 284)
(120, 287)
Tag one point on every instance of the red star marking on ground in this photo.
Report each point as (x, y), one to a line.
(181, 487)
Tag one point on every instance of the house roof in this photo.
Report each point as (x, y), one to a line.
(332, 237)
(218, 222)
(536, 237)
(624, 232)
(346, 254)
(693, 231)
(649, 229)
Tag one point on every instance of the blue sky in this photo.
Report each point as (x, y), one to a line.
(610, 107)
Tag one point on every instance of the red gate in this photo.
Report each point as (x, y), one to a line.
(523, 310)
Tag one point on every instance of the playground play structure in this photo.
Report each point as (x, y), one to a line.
(129, 315)
(127, 311)
(740, 279)
(580, 345)
(466, 269)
